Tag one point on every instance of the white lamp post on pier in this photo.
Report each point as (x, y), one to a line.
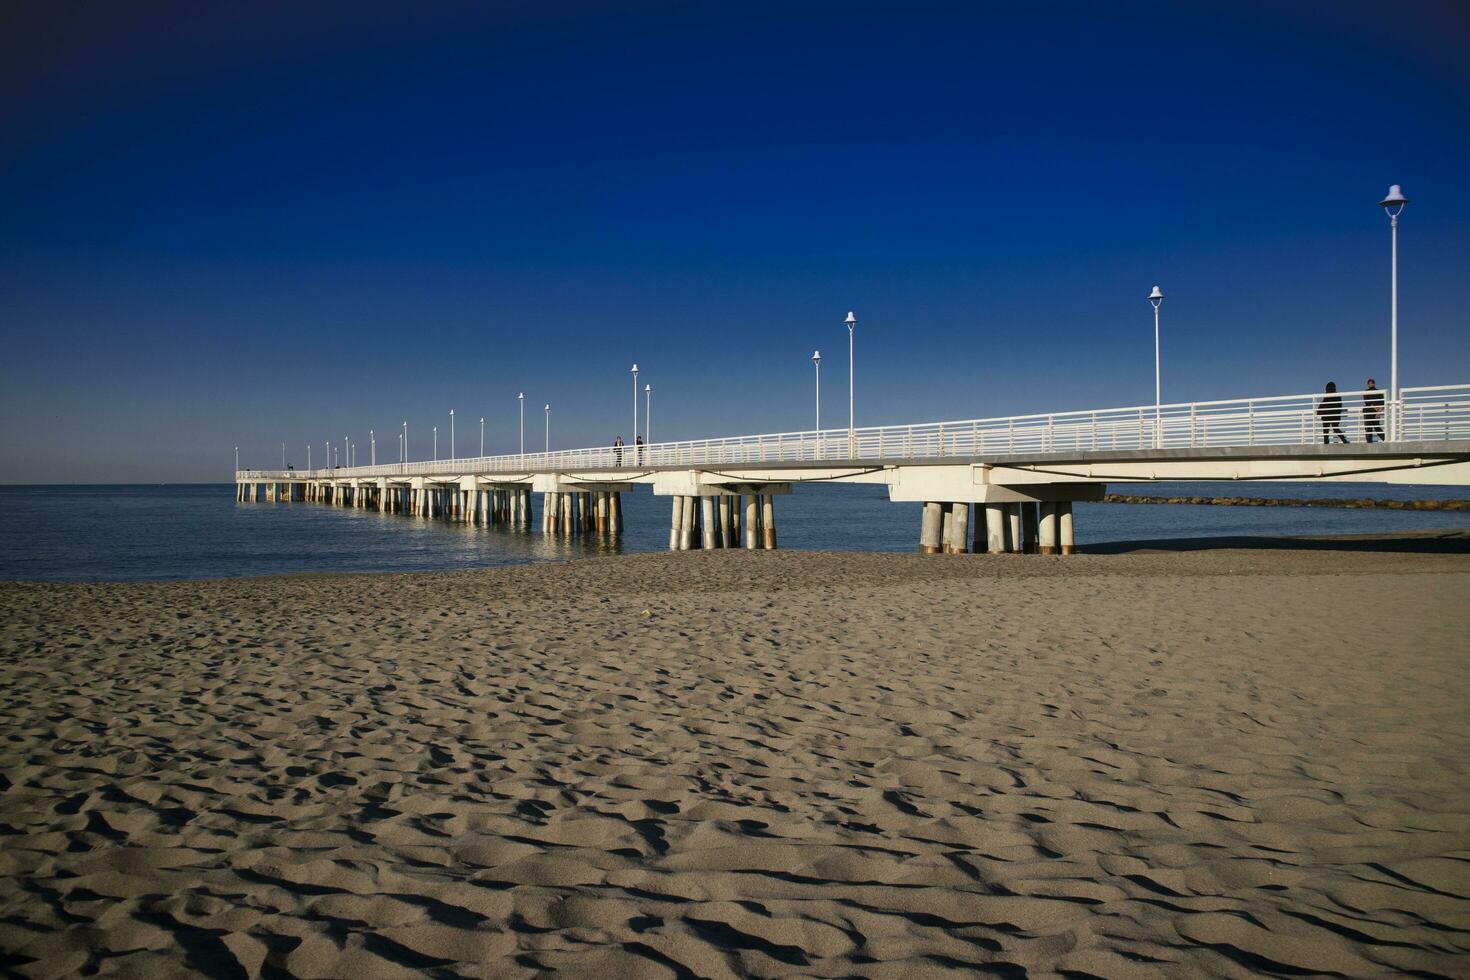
(548, 428)
(1394, 203)
(647, 416)
(436, 444)
(451, 435)
(635, 403)
(522, 399)
(1157, 299)
(482, 437)
(372, 447)
(851, 322)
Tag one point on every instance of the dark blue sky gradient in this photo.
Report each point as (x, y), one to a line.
(250, 223)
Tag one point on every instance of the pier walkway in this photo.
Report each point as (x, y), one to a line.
(1023, 473)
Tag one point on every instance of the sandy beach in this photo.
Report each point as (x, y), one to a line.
(1223, 762)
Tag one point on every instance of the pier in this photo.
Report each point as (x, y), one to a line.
(997, 485)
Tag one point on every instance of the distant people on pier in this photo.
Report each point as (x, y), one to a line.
(618, 449)
(639, 441)
(1373, 412)
(1330, 411)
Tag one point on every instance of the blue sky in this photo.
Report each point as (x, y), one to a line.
(248, 224)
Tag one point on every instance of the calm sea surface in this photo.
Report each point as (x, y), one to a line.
(151, 532)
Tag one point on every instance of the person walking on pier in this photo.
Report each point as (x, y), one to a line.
(618, 449)
(1373, 412)
(638, 440)
(1330, 410)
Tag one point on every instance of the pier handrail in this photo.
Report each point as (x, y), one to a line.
(1424, 413)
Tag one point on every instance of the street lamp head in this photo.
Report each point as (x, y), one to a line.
(816, 357)
(1156, 297)
(648, 387)
(522, 396)
(850, 319)
(635, 368)
(1395, 199)
(548, 408)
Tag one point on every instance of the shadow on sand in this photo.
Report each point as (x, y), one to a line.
(1423, 543)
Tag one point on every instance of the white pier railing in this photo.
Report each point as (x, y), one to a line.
(1421, 414)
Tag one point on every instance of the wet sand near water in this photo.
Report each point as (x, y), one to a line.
(1224, 763)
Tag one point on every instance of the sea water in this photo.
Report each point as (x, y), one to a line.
(170, 532)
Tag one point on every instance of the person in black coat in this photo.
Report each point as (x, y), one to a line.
(1330, 411)
(1373, 412)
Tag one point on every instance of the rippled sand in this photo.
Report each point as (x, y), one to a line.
(735, 764)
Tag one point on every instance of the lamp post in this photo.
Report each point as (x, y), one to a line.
(347, 449)
(372, 447)
(308, 458)
(352, 456)
(283, 455)
(436, 444)
(635, 403)
(1394, 203)
(817, 363)
(237, 459)
(482, 437)
(451, 434)
(400, 448)
(851, 322)
(647, 416)
(1157, 299)
(405, 440)
(548, 429)
(522, 399)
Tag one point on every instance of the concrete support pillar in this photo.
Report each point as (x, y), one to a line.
(931, 529)
(750, 521)
(1064, 519)
(617, 512)
(1048, 530)
(995, 529)
(686, 530)
(946, 521)
(960, 530)
(710, 528)
(676, 523)
(1029, 524)
(768, 520)
(722, 521)
(1013, 528)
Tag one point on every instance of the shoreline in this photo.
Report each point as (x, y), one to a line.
(1428, 542)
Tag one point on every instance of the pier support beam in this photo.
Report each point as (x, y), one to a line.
(707, 515)
(931, 529)
(768, 520)
(686, 529)
(1013, 528)
(959, 529)
(1064, 517)
(1029, 524)
(748, 501)
(1048, 533)
(995, 529)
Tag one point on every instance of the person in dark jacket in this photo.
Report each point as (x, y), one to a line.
(1330, 410)
(1373, 412)
(618, 449)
